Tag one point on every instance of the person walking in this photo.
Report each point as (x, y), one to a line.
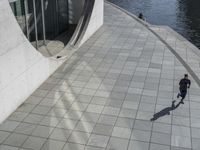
(184, 84)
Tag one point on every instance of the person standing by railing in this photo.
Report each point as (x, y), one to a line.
(141, 16)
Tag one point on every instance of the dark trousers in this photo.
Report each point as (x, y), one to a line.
(183, 93)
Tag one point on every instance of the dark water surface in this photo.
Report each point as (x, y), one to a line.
(181, 15)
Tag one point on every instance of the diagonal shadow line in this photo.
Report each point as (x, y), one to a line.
(165, 111)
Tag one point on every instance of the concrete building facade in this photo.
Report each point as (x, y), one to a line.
(27, 26)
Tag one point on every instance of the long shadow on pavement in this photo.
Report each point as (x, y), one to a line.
(165, 111)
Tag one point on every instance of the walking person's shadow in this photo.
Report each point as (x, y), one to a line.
(165, 111)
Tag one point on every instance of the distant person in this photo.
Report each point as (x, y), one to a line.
(141, 16)
(184, 84)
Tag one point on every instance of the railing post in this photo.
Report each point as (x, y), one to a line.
(43, 23)
(35, 21)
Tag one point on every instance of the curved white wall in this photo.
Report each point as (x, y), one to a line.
(96, 20)
(22, 68)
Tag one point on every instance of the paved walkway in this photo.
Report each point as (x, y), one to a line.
(104, 96)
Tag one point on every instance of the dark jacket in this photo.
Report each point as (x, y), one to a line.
(184, 84)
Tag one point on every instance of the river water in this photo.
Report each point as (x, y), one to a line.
(181, 15)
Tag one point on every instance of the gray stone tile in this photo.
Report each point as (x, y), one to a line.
(57, 112)
(48, 102)
(73, 114)
(143, 125)
(25, 128)
(88, 92)
(134, 90)
(148, 99)
(130, 105)
(111, 111)
(9, 125)
(124, 122)
(67, 124)
(161, 138)
(73, 146)
(60, 134)
(34, 143)
(15, 139)
(133, 97)
(103, 129)
(98, 140)
(102, 93)
(118, 95)
(162, 128)
(50, 121)
(179, 148)
(181, 131)
(144, 115)
(150, 92)
(137, 84)
(129, 113)
(117, 144)
(33, 118)
(17, 116)
(118, 88)
(181, 141)
(182, 121)
(94, 108)
(84, 98)
(114, 103)
(90, 117)
(79, 137)
(42, 131)
(140, 135)
(84, 126)
(41, 110)
(159, 147)
(3, 136)
(98, 100)
(53, 145)
(195, 144)
(121, 132)
(63, 104)
(107, 120)
(6, 147)
(195, 132)
(137, 145)
(147, 107)
(195, 122)
(93, 148)
(26, 108)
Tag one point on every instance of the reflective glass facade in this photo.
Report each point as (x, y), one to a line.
(41, 20)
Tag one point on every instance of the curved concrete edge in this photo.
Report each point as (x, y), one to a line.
(187, 53)
(23, 68)
(190, 58)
